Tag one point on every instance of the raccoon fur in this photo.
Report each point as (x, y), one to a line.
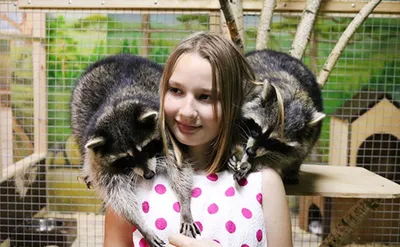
(281, 117)
(114, 117)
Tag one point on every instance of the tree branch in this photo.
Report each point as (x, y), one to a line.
(304, 29)
(232, 24)
(237, 7)
(346, 226)
(264, 26)
(344, 39)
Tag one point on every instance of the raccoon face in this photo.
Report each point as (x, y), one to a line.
(126, 139)
(279, 129)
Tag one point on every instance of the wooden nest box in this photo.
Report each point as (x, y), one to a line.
(364, 132)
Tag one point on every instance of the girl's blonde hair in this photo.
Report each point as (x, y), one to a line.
(230, 73)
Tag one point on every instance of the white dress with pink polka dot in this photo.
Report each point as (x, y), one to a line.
(226, 212)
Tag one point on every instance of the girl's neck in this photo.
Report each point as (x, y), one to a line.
(200, 156)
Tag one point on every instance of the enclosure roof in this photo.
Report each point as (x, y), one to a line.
(360, 103)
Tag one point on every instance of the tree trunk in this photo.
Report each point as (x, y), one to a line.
(231, 23)
(237, 7)
(304, 29)
(264, 26)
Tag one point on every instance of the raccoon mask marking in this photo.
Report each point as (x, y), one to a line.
(114, 117)
(121, 148)
(281, 118)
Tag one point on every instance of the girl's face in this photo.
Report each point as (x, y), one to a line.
(188, 105)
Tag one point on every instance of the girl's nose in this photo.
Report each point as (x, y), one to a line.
(188, 111)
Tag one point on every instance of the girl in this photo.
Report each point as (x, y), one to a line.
(201, 93)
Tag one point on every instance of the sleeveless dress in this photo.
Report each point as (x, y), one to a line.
(224, 211)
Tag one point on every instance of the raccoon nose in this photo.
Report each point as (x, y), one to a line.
(251, 152)
(149, 175)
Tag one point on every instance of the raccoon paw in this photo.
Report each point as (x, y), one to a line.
(232, 163)
(190, 229)
(242, 172)
(155, 242)
(86, 181)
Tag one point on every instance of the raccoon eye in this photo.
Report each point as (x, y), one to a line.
(155, 146)
(122, 162)
(254, 133)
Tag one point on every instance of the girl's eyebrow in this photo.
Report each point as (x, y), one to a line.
(174, 83)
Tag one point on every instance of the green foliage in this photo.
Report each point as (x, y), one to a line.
(189, 20)
(83, 24)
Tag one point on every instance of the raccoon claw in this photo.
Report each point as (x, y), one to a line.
(232, 163)
(86, 181)
(242, 171)
(190, 229)
(155, 242)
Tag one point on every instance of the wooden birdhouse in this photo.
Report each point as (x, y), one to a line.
(364, 132)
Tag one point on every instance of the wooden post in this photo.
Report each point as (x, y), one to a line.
(39, 84)
(145, 51)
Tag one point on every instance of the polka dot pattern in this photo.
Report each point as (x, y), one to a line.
(230, 192)
(196, 192)
(160, 189)
(161, 223)
(145, 207)
(199, 225)
(259, 198)
(212, 177)
(177, 207)
(243, 182)
(230, 226)
(143, 243)
(259, 235)
(212, 209)
(224, 210)
(246, 213)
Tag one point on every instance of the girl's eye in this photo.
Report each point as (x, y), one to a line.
(175, 90)
(205, 97)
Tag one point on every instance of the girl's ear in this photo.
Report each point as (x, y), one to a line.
(95, 142)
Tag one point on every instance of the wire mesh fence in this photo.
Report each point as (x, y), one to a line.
(42, 52)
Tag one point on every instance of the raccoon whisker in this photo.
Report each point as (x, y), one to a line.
(244, 130)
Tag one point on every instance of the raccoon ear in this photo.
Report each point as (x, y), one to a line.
(95, 142)
(147, 116)
(267, 88)
(316, 118)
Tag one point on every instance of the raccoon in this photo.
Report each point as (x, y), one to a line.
(114, 117)
(281, 117)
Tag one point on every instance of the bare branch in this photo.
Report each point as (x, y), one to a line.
(264, 26)
(224, 26)
(305, 27)
(344, 39)
(346, 226)
(231, 23)
(237, 7)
